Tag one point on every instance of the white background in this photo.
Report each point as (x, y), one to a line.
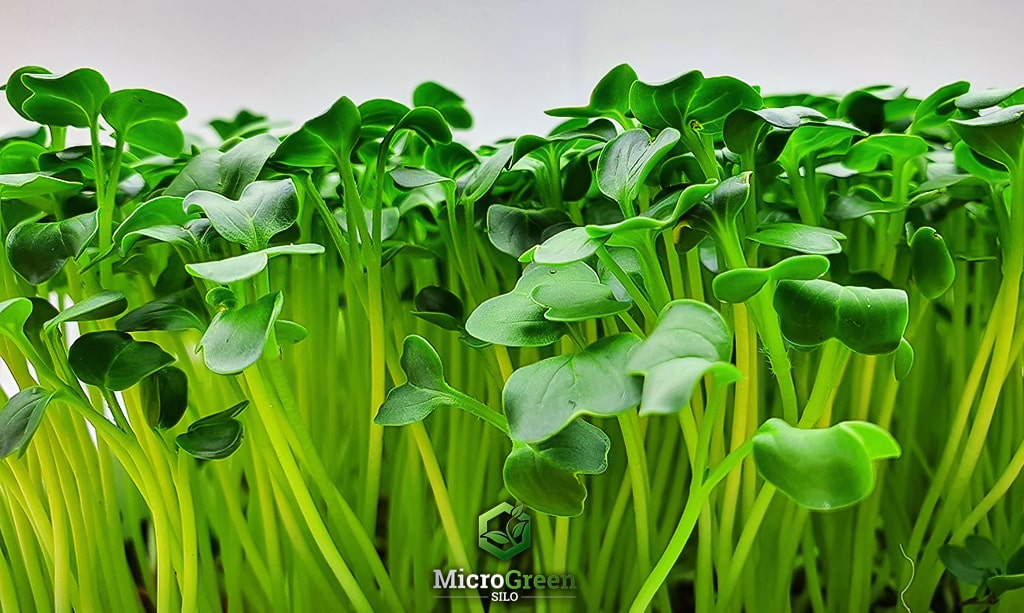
(511, 59)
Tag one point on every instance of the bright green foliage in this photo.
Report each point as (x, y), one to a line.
(688, 318)
(824, 469)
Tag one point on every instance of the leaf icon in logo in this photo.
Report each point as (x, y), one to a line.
(498, 537)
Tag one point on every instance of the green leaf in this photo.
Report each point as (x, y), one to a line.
(932, 264)
(814, 138)
(610, 97)
(38, 251)
(578, 301)
(71, 99)
(824, 469)
(744, 129)
(666, 105)
(20, 418)
(236, 338)
(937, 109)
(545, 476)
(440, 307)
(692, 102)
(626, 161)
(264, 209)
(959, 561)
(447, 102)
(14, 313)
(215, 437)
(324, 141)
(147, 119)
(514, 319)
(172, 314)
(427, 123)
(566, 247)
(164, 397)
(981, 100)
(152, 219)
(27, 185)
(225, 173)
(723, 204)
(424, 391)
(741, 284)
(543, 398)
(866, 155)
(411, 178)
(17, 92)
(869, 321)
(998, 135)
(485, 175)
(114, 360)
(904, 360)
(389, 219)
(798, 237)
(689, 341)
(248, 265)
(514, 231)
(289, 332)
(98, 306)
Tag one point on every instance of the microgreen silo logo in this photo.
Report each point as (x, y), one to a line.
(504, 531)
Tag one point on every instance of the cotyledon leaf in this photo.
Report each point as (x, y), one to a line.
(543, 398)
(822, 469)
(114, 360)
(264, 209)
(869, 321)
(248, 265)
(689, 341)
(236, 338)
(20, 418)
(741, 284)
(515, 319)
(545, 475)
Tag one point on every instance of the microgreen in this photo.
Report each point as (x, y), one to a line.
(638, 329)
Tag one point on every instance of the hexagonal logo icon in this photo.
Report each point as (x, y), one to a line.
(504, 531)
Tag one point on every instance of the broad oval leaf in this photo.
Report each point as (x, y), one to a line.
(545, 475)
(264, 209)
(824, 469)
(578, 301)
(147, 119)
(150, 219)
(610, 97)
(236, 338)
(869, 321)
(214, 437)
(164, 397)
(71, 99)
(173, 313)
(424, 391)
(626, 161)
(37, 251)
(248, 265)
(566, 247)
(799, 237)
(98, 306)
(114, 360)
(514, 231)
(226, 173)
(324, 141)
(20, 418)
(17, 92)
(543, 398)
(741, 284)
(689, 341)
(931, 262)
(440, 307)
(514, 319)
(448, 103)
(29, 185)
(998, 135)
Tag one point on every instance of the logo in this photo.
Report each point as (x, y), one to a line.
(504, 531)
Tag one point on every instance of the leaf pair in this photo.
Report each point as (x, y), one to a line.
(532, 314)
